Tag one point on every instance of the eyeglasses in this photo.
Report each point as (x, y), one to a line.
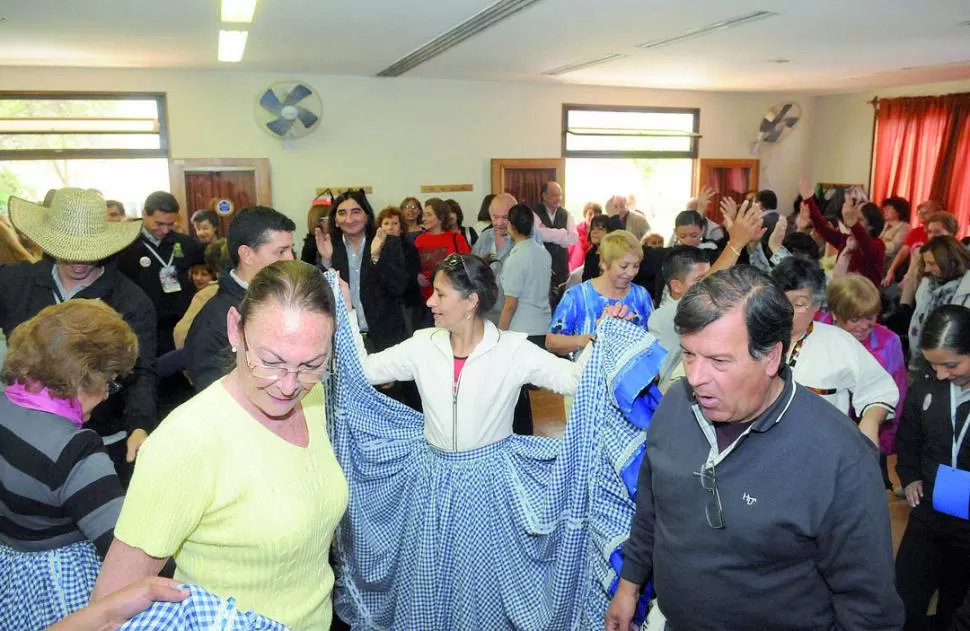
(411, 207)
(453, 261)
(713, 511)
(112, 387)
(307, 377)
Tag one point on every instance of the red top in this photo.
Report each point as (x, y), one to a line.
(459, 364)
(870, 254)
(916, 239)
(433, 248)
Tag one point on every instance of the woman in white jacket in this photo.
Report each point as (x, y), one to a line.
(468, 372)
(464, 528)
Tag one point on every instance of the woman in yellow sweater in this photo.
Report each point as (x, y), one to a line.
(240, 484)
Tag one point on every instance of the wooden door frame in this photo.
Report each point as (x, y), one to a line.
(500, 164)
(727, 163)
(178, 168)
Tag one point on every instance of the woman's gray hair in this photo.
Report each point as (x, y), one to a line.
(767, 312)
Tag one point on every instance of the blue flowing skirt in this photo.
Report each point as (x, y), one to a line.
(526, 533)
(38, 589)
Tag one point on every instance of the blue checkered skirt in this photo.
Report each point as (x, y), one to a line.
(201, 611)
(526, 533)
(39, 588)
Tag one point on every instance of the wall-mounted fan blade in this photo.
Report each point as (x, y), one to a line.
(308, 118)
(297, 94)
(774, 134)
(767, 126)
(280, 126)
(270, 102)
(784, 110)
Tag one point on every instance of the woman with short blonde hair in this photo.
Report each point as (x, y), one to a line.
(855, 305)
(582, 306)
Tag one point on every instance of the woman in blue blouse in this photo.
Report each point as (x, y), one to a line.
(574, 322)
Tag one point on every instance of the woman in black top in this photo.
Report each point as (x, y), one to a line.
(935, 550)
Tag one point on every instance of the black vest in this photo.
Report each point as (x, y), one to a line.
(559, 254)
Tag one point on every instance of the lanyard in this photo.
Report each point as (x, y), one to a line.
(957, 442)
(155, 253)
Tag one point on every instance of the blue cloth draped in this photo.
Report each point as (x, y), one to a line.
(38, 589)
(515, 535)
(201, 611)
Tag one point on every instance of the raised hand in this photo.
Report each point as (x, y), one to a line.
(747, 227)
(778, 234)
(850, 212)
(378, 243)
(729, 208)
(805, 189)
(704, 199)
(324, 245)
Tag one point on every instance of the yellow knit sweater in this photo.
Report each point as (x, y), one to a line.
(245, 513)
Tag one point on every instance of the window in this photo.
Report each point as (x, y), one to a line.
(592, 131)
(115, 143)
(45, 126)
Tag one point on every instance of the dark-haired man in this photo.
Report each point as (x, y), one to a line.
(159, 262)
(754, 486)
(257, 237)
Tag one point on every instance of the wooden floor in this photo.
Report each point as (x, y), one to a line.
(549, 419)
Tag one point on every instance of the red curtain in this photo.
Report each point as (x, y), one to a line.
(922, 151)
(526, 184)
(951, 183)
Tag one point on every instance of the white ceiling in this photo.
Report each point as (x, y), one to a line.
(833, 45)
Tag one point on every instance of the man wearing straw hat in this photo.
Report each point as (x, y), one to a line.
(79, 245)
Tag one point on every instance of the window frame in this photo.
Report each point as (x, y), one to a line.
(692, 153)
(160, 99)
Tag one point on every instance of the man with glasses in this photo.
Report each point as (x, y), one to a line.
(257, 237)
(759, 505)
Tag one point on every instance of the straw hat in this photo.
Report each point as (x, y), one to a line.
(74, 228)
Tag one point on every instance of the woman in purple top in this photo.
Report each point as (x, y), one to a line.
(854, 305)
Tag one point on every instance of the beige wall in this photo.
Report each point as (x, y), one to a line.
(396, 134)
(842, 139)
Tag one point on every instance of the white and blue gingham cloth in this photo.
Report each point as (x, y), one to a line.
(201, 611)
(526, 533)
(39, 588)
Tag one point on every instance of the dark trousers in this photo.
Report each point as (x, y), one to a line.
(118, 451)
(934, 554)
(522, 417)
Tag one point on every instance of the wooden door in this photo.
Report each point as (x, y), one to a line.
(728, 178)
(203, 183)
(523, 178)
(206, 189)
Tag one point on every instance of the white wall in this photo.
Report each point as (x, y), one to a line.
(842, 139)
(396, 134)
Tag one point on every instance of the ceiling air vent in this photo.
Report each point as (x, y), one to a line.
(700, 31)
(469, 28)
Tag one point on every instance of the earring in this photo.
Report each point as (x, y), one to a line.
(233, 349)
(468, 316)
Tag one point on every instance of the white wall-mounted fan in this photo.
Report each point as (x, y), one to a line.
(777, 124)
(288, 110)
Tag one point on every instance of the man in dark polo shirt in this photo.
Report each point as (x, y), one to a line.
(759, 504)
(159, 261)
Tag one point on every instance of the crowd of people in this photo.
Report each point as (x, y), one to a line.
(337, 432)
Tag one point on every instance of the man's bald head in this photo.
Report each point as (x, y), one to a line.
(616, 205)
(551, 195)
(498, 211)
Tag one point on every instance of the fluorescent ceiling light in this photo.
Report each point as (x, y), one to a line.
(699, 31)
(238, 10)
(555, 72)
(231, 45)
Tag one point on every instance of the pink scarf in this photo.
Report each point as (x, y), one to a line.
(43, 400)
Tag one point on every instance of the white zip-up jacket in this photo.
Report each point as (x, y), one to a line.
(479, 411)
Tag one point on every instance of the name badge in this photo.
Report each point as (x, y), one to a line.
(951, 492)
(168, 276)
